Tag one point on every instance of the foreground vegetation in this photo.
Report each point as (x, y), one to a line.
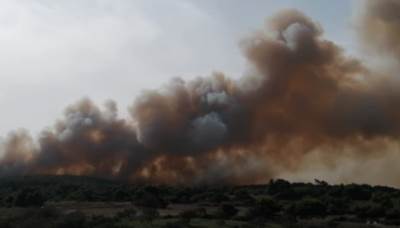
(69, 201)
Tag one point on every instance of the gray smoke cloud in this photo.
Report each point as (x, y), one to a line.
(304, 96)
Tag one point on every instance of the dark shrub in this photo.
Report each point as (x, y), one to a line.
(49, 212)
(227, 211)
(100, 221)
(194, 213)
(148, 214)
(72, 220)
(243, 197)
(127, 213)
(309, 208)
(29, 198)
(281, 189)
(369, 210)
(148, 199)
(336, 206)
(120, 195)
(357, 192)
(182, 223)
(217, 197)
(277, 186)
(393, 213)
(266, 207)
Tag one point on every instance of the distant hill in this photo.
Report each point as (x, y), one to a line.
(278, 202)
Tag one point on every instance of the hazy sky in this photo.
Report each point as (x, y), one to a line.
(54, 52)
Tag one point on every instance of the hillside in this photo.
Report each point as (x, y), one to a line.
(72, 201)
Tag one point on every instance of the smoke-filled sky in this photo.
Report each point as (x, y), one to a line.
(201, 93)
(56, 52)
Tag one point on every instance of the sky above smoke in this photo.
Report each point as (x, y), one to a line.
(114, 49)
(304, 104)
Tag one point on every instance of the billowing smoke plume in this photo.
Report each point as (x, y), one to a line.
(380, 27)
(304, 97)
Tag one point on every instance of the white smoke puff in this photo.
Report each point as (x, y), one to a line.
(293, 33)
(77, 119)
(74, 122)
(65, 135)
(111, 110)
(251, 83)
(2, 147)
(202, 86)
(175, 85)
(217, 81)
(208, 131)
(217, 98)
(147, 135)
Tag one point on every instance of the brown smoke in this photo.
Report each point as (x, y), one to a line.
(305, 97)
(380, 27)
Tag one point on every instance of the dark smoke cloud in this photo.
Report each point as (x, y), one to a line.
(380, 27)
(305, 95)
(87, 141)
